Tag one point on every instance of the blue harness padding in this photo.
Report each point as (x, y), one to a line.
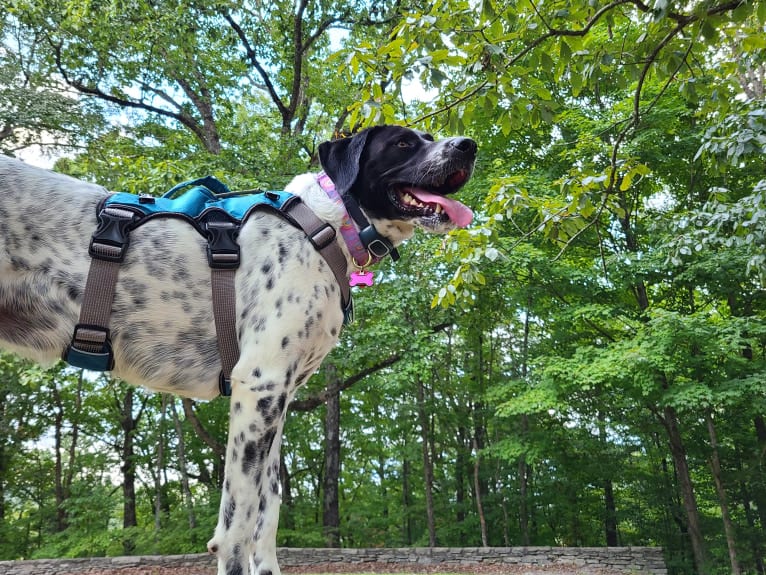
(206, 195)
(217, 214)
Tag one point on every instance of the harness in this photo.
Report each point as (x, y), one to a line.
(217, 214)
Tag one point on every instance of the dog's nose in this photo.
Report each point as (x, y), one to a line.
(465, 145)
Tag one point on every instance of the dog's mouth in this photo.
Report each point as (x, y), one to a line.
(431, 203)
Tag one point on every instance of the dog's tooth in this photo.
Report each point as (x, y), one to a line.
(438, 209)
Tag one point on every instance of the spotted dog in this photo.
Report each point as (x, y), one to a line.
(288, 301)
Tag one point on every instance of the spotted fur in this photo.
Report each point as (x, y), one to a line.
(288, 302)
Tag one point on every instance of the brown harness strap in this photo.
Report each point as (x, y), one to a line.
(324, 239)
(91, 346)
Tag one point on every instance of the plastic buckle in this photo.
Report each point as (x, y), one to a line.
(348, 311)
(222, 246)
(376, 244)
(224, 385)
(90, 335)
(322, 237)
(112, 236)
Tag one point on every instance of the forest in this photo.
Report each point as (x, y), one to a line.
(585, 365)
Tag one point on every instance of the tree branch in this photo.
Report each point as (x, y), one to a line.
(295, 90)
(315, 401)
(181, 117)
(218, 448)
(250, 53)
(682, 22)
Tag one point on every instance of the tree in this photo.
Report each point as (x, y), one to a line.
(34, 109)
(545, 377)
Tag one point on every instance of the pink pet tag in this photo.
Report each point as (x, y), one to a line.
(361, 278)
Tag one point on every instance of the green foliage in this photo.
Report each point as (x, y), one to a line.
(607, 299)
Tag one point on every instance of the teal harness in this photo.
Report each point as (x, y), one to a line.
(206, 206)
(208, 198)
(217, 214)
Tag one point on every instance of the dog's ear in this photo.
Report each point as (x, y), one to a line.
(340, 159)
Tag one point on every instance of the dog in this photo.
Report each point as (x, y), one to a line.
(288, 311)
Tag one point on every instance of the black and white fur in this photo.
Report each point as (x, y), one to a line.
(288, 302)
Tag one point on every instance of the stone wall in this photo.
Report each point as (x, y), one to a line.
(628, 560)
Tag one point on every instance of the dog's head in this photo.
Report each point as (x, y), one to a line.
(402, 178)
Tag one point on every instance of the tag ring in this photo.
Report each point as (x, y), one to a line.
(365, 264)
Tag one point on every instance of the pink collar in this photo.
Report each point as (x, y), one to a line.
(362, 258)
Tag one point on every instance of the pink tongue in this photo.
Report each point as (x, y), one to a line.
(457, 212)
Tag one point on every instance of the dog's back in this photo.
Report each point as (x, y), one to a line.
(162, 325)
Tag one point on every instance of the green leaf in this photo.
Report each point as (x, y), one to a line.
(627, 181)
(565, 52)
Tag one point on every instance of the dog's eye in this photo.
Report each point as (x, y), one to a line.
(403, 144)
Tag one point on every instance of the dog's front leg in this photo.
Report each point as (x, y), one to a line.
(264, 559)
(245, 537)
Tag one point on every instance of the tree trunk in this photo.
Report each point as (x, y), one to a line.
(407, 499)
(3, 467)
(159, 466)
(75, 436)
(383, 488)
(219, 449)
(480, 485)
(715, 464)
(63, 478)
(678, 452)
(461, 462)
(128, 424)
(331, 511)
(759, 494)
(428, 471)
(477, 489)
(610, 508)
(756, 545)
(58, 422)
(181, 453)
(523, 498)
(287, 491)
(610, 520)
(523, 468)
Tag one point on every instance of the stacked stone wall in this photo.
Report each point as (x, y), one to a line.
(628, 560)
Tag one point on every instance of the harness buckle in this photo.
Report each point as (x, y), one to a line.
(112, 236)
(322, 237)
(90, 348)
(222, 246)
